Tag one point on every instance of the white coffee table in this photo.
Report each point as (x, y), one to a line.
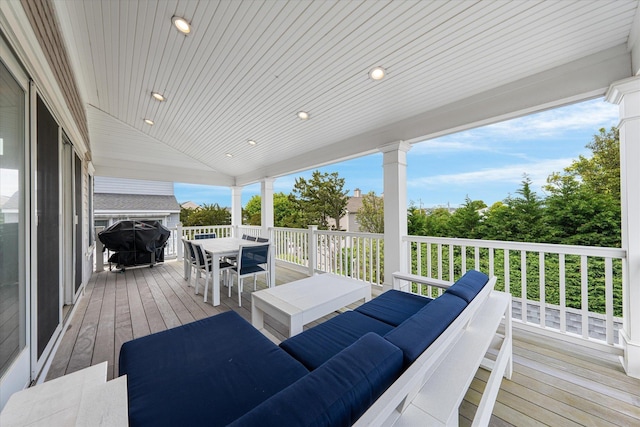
(298, 303)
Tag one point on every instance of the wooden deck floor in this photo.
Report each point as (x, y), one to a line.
(554, 382)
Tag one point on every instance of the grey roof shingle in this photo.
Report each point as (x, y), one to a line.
(134, 202)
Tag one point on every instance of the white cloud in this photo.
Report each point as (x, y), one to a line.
(537, 171)
(588, 115)
(444, 145)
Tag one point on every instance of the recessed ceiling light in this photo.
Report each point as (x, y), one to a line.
(229, 155)
(181, 24)
(377, 73)
(252, 142)
(303, 115)
(149, 122)
(158, 96)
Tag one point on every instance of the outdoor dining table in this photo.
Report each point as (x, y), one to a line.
(226, 247)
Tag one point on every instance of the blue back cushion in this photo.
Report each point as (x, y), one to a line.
(469, 285)
(335, 394)
(315, 346)
(393, 307)
(208, 372)
(417, 333)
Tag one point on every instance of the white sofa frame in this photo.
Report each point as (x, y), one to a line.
(430, 391)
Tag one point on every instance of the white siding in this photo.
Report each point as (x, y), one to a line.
(132, 186)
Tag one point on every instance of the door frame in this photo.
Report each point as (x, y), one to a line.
(18, 376)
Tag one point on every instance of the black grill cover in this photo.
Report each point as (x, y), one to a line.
(134, 241)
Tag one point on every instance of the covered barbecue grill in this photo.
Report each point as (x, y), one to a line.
(135, 243)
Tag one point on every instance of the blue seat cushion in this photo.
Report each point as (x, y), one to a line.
(335, 394)
(469, 285)
(208, 372)
(417, 333)
(393, 307)
(315, 346)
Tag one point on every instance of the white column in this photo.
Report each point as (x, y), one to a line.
(395, 207)
(236, 210)
(626, 93)
(266, 195)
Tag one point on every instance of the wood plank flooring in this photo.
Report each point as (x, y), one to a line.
(554, 382)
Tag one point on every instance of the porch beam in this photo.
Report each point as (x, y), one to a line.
(266, 196)
(394, 162)
(626, 93)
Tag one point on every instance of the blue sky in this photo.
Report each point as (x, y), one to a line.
(486, 163)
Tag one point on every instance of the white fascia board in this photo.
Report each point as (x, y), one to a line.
(134, 212)
(154, 172)
(579, 80)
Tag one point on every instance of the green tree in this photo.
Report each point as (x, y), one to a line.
(601, 171)
(251, 214)
(320, 198)
(465, 221)
(416, 221)
(526, 221)
(285, 211)
(370, 216)
(205, 215)
(494, 222)
(437, 223)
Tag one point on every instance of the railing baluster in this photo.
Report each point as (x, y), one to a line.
(584, 287)
(429, 266)
(563, 294)
(523, 284)
(451, 263)
(543, 296)
(477, 258)
(608, 289)
(463, 267)
(491, 262)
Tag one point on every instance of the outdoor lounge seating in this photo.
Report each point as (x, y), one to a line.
(221, 370)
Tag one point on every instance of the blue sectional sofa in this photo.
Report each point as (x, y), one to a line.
(223, 371)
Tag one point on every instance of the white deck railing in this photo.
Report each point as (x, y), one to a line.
(575, 290)
(356, 255)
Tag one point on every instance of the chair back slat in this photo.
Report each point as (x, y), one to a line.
(254, 255)
(262, 239)
(200, 253)
(205, 236)
(191, 251)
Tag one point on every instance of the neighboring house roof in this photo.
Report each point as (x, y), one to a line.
(354, 204)
(134, 202)
(10, 203)
(189, 205)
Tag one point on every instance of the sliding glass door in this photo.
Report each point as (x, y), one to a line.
(14, 348)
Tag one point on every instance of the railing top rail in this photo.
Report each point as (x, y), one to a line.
(195, 227)
(523, 246)
(352, 234)
(290, 229)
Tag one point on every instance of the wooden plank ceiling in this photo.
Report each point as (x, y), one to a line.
(249, 66)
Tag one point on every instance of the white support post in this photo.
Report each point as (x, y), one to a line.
(626, 93)
(236, 210)
(312, 256)
(179, 241)
(395, 208)
(266, 195)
